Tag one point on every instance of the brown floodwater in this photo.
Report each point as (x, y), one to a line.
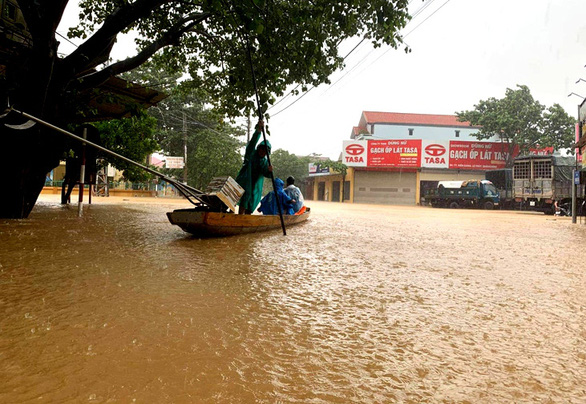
(362, 304)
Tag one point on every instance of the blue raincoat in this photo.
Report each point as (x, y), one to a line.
(251, 175)
(268, 204)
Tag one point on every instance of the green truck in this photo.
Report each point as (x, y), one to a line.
(464, 194)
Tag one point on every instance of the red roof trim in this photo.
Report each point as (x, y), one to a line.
(397, 118)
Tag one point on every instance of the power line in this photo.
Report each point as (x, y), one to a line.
(312, 87)
(405, 36)
(67, 39)
(191, 121)
(428, 17)
(294, 102)
(364, 59)
(415, 14)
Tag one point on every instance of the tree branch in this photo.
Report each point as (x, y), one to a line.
(94, 79)
(91, 52)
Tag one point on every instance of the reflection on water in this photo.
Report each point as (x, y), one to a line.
(360, 304)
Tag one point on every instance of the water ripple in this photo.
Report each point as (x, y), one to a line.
(361, 304)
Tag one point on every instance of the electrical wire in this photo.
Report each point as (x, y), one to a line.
(416, 13)
(428, 17)
(353, 68)
(405, 36)
(293, 103)
(67, 39)
(179, 119)
(312, 87)
(297, 86)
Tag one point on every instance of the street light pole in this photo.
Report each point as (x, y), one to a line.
(578, 136)
(184, 149)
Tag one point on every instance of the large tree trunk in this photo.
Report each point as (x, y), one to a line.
(22, 190)
(29, 155)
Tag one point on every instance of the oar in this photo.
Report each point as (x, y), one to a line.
(264, 136)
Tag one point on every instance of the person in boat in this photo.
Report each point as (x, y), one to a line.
(294, 193)
(254, 169)
(268, 204)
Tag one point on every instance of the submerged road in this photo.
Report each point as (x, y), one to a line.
(362, 304)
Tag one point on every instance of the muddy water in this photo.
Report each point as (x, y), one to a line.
(363, 304)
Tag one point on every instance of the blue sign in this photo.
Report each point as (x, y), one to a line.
(576, 177)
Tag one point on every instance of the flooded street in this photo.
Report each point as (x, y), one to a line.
(361, 304)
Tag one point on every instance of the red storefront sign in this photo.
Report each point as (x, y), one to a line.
(477, 155)
(546, 151)
(416, 153)
(394, 153)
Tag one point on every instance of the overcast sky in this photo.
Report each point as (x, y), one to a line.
(463, 51)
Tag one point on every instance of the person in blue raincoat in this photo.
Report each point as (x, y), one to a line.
(268, 204)
(254, 169)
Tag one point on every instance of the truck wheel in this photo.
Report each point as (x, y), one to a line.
(488, 205)
(454, 205)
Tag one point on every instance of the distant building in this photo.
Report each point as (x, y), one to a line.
(393, 158)
(393, 125)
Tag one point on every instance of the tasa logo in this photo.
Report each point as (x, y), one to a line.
(435, 150)
(354, 149)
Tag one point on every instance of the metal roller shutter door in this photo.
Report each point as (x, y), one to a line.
(379, 187)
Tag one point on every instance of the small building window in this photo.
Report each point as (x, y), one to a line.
(457, 133)
(410, 131)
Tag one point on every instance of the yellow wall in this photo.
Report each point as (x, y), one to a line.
(112, 192)
(59, 172)
(418, 189)
(329, 180)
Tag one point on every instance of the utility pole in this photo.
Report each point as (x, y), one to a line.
(574, 185)
(81, 176)
(184, 149)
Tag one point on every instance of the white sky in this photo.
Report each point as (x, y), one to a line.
(468, 50)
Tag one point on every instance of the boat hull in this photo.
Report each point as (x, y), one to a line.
(217, 224)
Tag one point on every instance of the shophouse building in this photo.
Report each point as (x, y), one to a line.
(393, 158)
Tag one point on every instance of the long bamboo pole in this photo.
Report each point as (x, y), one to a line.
(264, 136)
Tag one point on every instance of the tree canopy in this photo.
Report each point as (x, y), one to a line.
(286, 165)
(290, 42)
(133, 138)
(521, 121)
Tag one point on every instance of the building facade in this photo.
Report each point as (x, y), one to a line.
(394, 158)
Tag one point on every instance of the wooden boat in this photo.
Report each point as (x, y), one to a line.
(203, 223)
